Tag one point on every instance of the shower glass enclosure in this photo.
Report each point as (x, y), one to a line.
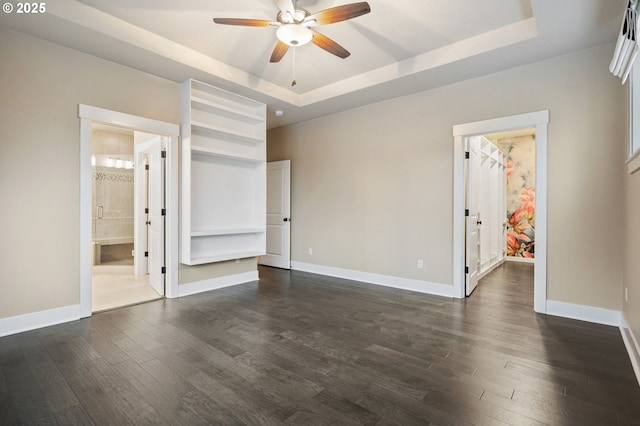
(113, 195)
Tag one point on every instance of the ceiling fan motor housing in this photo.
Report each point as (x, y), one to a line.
(297, 18)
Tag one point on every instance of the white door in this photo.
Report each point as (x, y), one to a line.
(278, 215)
(472, 230)
(141, 208)
(156, 225)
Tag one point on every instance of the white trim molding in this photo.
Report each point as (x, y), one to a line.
(631, 343)
(377, 279)
(35, 320)
(121, 119)
(583, 313)
(216, 283)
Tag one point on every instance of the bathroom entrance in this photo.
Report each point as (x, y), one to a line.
(128, 222)
(90, 116)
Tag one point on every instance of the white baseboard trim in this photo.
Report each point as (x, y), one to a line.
(27, 322)
(216, 283)
(490, 269)
(384, 280)
(631, 343)
(583, 313)
(519, 259)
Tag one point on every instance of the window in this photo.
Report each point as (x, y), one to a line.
(633, 162)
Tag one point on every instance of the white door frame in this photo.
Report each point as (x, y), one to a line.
(539, 120)
(89, 115)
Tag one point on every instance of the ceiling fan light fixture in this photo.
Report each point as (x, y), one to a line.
(294, 34)
(294, 26)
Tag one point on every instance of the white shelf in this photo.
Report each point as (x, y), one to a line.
(228, 231)
(205, 105)
(215, 131)
(228, 155)
(225, 256)
(223, 203)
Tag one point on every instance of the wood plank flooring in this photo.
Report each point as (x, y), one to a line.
(302, 349)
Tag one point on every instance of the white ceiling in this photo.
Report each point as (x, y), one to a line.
(401, 47)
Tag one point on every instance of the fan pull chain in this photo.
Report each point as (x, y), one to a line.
(293, 82)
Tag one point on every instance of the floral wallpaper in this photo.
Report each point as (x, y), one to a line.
(521, 195)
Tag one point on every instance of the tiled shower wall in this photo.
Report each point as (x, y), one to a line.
(113, 187)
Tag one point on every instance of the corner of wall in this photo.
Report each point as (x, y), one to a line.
(631, 343)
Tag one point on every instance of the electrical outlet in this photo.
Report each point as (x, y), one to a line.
(420, 264)
(310, 251)
(626, 294)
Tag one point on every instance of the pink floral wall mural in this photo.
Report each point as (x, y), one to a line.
(521, 195)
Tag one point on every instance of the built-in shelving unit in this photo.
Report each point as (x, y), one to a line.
(223, 175)
(493, 206)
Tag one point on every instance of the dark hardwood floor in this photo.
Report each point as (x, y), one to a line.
(303, 349)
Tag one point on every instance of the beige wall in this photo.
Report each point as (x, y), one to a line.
(41, 85)
(372, 187)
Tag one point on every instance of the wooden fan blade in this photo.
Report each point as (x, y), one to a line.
(244, 22)
(337, 14)
(324, 42)
(279, 51)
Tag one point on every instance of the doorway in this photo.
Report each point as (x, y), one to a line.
(119, 186)
(127, 223)
(168, 132)
(500, 199)
(538, 120)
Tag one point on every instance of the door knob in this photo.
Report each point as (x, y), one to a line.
(287, 219)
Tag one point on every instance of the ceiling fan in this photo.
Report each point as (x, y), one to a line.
(295, 26)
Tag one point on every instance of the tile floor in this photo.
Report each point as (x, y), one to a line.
(114, 285)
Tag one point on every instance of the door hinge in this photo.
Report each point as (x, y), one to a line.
(163, 154)
(146, 254)
(146, 210)
(163, 212)
(466, 212)
(146, 167)
(466, 155)
(466, 269)
(163, 270)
